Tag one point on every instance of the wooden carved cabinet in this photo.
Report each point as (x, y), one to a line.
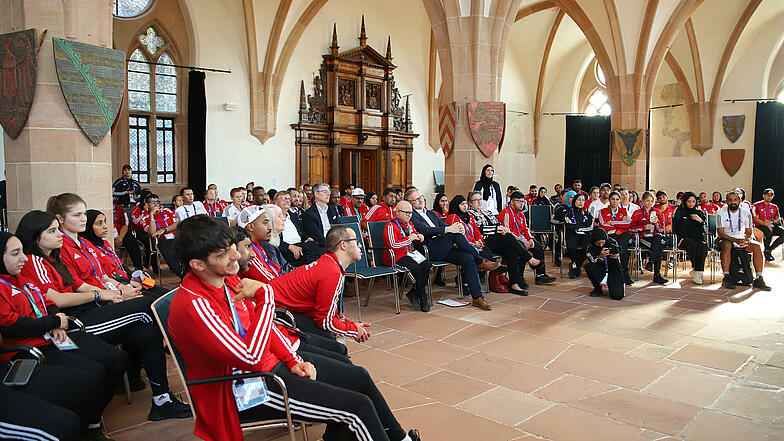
(353, 129)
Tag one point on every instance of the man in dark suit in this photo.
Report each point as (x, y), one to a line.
(317, 219)
(448, 243)
(296, 247)
(334, 201)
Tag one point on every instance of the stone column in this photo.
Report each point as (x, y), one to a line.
(630, 111)
(52, 155)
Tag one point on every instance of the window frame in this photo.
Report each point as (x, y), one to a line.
(115, 10)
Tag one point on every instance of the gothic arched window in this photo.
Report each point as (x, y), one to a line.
(130, 8)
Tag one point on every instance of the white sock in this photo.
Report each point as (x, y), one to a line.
(759, 275)
(161, 399)
(94, 426)
(726, 274)
(407, 438)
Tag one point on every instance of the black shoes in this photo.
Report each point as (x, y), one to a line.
(657, 278)
(596, 292)
(519, 292)
(523, 285)
(727, 282)
(424, 304)
(414, 435)
(172, 408)
(649, 266)
(413, 298)
(760, 284)
(769, 256)
(628, 281)
(543, 279)
(574, 271)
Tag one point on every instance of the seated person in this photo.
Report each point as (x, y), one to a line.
(317, 219)
(441, 205)
(513, 218)
(768, 220)
(124, 238)
(255, 221)
(382, 212)
(447, 243)
(344, 395)
(232, 210)
(213, 205)
(734, 226)
(716, 201)
(334, 201)
(501, 241)
(626, 202)
(688, 223)
(346, 201)
(296, 247)
(72, 277)
(158, 225)
(603, 262)
(458, 213)
(666, 209)
(578, 225)
(95, 233)
(704, 203)
(531, 196)
(648, 223)
(541, 198)
(616, 222)
(400, 235)
(357, 206)
(599, 204)
(189, 207)
(296, 208)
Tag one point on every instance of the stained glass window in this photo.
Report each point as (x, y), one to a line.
(164, 143)
(139, 147)
(138, 82)
(599, 74)
(130, 8)
(598, 104)
(165, 85)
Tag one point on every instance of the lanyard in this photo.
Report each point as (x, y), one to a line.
(235, 318)
(211, 208)
(29, 296)
(468, 228)
(342, 275)
(264, 257)
(113, 255)
(517, 224)
(165, 222)
(187, 215)
(87, 255)
(729, 218)
(404, 233)
(614, 213)
(768, 210)
(129, 185)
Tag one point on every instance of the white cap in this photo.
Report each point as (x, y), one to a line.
(358, 192)
(249, 214)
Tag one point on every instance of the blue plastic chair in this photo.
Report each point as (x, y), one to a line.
(362, 270)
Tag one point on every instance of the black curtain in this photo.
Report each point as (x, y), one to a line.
(587, 150)
(197, 123)
(768, 149)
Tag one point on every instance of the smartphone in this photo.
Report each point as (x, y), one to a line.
(20, 372)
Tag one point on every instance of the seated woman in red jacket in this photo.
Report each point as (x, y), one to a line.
(400, 235)
(458, 213)
(28, 317)
(95, 233)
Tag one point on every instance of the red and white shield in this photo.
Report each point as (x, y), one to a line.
(447, 122)
(487, 122)
(18, 67)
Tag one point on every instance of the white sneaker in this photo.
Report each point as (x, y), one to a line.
(696, 277)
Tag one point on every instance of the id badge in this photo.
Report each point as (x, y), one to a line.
(604, 281)
(65, 345)
(168, 236)
(417, 256)
(250, 392)
(110, 286)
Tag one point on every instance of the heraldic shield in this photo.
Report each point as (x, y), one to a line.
(18, 67)
(732, 159)
(92, 79)
(733, 126)
(487, 122)
(628, 143)
(447, 122)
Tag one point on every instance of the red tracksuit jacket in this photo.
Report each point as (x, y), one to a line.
(472, 232)
(201, 327)
(515, 221)
(46, 277)
(261, 268)
(398, 240)
(15, 304)
(81, 258)
(617, 224)
(315, 290)
(641, 218)
(379, 213)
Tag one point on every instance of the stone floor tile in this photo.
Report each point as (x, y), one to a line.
(391, 368)
(640, 410)
(758, 404)
(490, 318)
(571, 388)
(517, 406)
(400, 398)
(525, 348)
(676, 326)
(388, 339)
(651, 351)
(432, 352)
(717, 426)
(710, 357)
(424, 325)
(592, 312)
(552, 318)
(702, 390)
(560, 423)
(448, 387)
(609, 367)
(476, 334)
(441, 422)
(503, 372)
(548, 330)
(559, 306)
(611, 342)
(771, 375)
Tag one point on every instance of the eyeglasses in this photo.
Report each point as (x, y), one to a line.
(405, 212)
(349, 240)
(154, 202)
(476, 199)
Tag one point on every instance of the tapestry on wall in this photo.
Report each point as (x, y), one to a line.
(487, 122)
(628, 143)
(447, 122)
(92, 79)
(18, 67)
(733, 126)
(732, 159)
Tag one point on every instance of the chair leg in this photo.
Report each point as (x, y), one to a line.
(459, 282)
(127, 386)
(304, 431)
(370, 289)
(397, 297)
(359, 300)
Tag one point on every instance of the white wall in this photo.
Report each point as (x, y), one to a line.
(234, 157)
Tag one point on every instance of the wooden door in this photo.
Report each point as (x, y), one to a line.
(319, 164)
(367, 171)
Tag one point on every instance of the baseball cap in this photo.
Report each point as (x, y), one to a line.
(358, 192)
(249, 214)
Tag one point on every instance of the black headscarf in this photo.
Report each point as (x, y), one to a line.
(368, 197)
(4, 237)
(89, 233)
(485, 182)
(454, 208)
(578, 214)
(688, 211)
(436, 205)
(598, 234)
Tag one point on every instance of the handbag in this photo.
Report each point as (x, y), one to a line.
(498, 282)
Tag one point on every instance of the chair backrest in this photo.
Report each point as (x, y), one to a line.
(541, 219)
(439, 178)
(363, 261)
(376, 230)
(160, 309)
(225, 220)
(712, 224)
(348, 219)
